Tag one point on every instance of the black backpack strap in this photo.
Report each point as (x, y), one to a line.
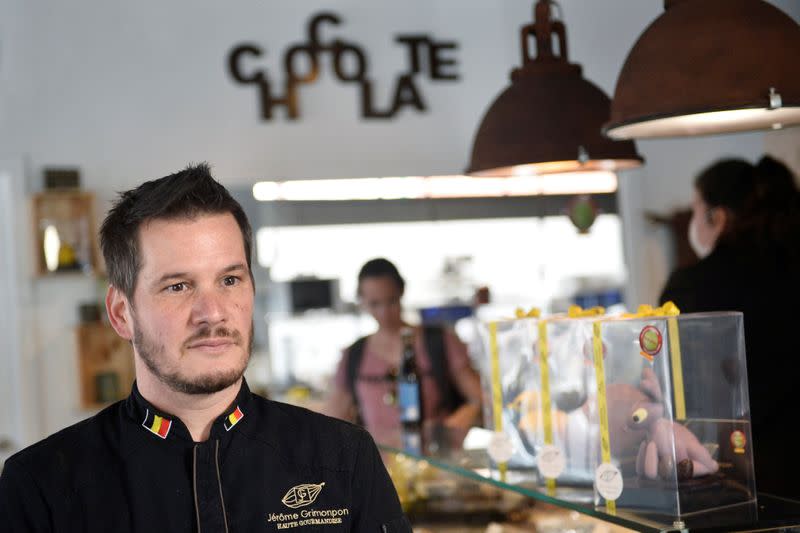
(451, 397)
(355, 354)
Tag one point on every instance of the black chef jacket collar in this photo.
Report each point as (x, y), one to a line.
(165, 426)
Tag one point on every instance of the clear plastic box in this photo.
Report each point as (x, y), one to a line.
(567, 456)
(510, 393)
(541, 389)
(672, 411)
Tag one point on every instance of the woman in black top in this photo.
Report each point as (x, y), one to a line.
(745, 229)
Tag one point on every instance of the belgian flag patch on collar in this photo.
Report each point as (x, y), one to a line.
(233, 418)
(157, 424)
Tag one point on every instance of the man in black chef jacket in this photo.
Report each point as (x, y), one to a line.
(191, 448)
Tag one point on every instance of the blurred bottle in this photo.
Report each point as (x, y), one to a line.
(409, 397)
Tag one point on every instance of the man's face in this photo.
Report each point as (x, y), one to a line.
(192, 307)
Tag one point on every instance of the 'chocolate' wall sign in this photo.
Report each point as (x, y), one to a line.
(350, 65)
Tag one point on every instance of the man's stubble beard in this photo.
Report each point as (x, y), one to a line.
(151, 354)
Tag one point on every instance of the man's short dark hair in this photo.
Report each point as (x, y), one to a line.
(185, 194)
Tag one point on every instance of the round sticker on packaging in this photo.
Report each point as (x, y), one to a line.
(500, 447)
(650, 341)
(608, 480)
(551, 461)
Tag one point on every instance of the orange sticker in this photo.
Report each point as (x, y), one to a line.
(738, 441)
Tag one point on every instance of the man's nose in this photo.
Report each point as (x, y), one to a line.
(208, 307)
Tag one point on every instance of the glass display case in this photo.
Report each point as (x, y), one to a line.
(639, 421)
(453, 485)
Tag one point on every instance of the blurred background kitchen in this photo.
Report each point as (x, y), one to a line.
(95, 97)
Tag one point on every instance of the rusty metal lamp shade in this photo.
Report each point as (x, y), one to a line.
(549, 120)
(706, 67)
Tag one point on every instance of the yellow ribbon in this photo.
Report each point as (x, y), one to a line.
(534, 312)
(677, 368)
(547, 418)
(497, 390)
(602, 404)
(668, 309)
(576, 311)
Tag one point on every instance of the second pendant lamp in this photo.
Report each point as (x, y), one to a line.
(549, 120)
(708, 67)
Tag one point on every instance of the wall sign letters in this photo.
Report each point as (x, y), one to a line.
(426, 57)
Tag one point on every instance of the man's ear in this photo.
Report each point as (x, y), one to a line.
(119, 312)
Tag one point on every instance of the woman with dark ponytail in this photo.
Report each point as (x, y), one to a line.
(745, 230)
(772, 217)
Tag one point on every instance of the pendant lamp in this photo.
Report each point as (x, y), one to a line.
(708, 67)
(549, 120)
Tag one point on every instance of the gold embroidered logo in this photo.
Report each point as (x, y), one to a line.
(302, 495)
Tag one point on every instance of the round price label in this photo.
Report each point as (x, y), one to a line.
(551, 461)
(500, 447)
(608, 480)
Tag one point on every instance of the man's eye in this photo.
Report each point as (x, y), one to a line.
(230, 280)
(177, 287)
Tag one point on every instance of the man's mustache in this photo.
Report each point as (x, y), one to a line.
(218, 332)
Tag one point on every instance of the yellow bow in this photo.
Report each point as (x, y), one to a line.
(576, 311)
(668, 309)
(534, 312)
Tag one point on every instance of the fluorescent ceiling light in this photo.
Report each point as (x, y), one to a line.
(266, 191)
(578, 183)
(349, 189)
(419, 187)
(465, 187)
(399, 188)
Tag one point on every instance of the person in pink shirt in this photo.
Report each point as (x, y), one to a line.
(371, 399)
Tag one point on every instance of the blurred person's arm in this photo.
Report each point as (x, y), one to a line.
(339, 402)
(466, 380)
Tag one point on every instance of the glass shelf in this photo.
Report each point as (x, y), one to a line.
(444, 450)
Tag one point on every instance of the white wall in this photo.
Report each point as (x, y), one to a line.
(19, 373)
(133, 91)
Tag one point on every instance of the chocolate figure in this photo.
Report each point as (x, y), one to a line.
(665, 441)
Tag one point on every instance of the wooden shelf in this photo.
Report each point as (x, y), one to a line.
(64, 226)
(105, 364)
